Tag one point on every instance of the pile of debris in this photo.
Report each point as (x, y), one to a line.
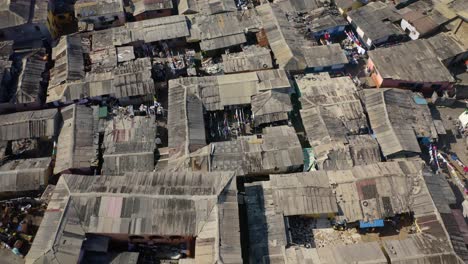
(330, 237)
(302, 229)
(20, 219)
(212, 66)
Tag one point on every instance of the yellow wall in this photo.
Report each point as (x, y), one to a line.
(58, 23)
(355, 5)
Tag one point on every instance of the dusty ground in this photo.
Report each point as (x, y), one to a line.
(330, 237)
(452, 142)
(7, 257)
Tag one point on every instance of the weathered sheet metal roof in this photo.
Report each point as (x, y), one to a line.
(142, 6)
(60, 235)
(279, 151)
(397, 120)
(206, 7)
(34, 124)
(303, 194)
(69, 62)
(331, 108)
(378, 190)
(420, 248)
(220, 31)
(24, 174)
(131, 78)
(268, 231)
(284, 41)
(129, 145)
(202, 205)
(376, 20)
(186, 125)
(359, 150)
(446, 46)
(90, 8)
(14, 12)
(252, 58)
(325, 22)
(357, 253)
(331, 113)
(30, 80)
(292, 51)
(216, 92)
(75, 149)
(270, 106)
(416, 61)
(152, 30)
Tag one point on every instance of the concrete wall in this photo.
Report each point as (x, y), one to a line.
(413, 32)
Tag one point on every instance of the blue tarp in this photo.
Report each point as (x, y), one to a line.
(419, 100)
(425, 141)
(375, 223)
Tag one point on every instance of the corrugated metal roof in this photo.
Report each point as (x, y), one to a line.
(419, 248)
(129, 144)
(331, 113)
(270, 106)
(358, 253)
(397, 120)
(90, 8)
(415, 61)
(292, 51)
(279, 151)
(34, 124)
(131, 78)
(14, 13)
(267, 232)
(142, 6)
(250, 59)
(219, 31)
(186, 124)
(24, 174)
(303, 194)
(216, 92)
(378, 190)
(75, 148)
(30, 81)
(377, 20)
(69, 62)
(206, 7)
(399, 185)
(163, 203)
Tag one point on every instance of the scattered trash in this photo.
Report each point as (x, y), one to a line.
(20, 218)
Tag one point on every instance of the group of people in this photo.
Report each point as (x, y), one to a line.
(156, 109)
